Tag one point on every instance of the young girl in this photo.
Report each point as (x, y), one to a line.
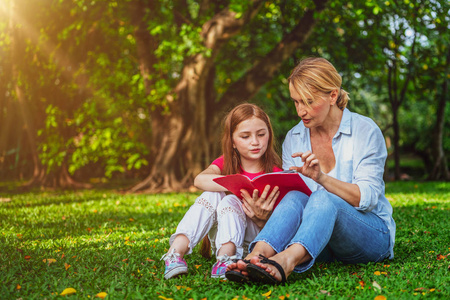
(247, 145)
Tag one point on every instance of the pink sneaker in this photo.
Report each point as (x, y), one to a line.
(175, 265)
(220, 267)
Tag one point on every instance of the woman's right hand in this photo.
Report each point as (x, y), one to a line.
(259, 208)
(311, 166)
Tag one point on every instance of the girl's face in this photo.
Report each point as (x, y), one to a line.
(316, 113)
(251, 138)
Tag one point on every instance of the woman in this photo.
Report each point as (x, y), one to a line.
(341, 157)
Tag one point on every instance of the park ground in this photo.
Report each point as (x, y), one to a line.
(105, 244)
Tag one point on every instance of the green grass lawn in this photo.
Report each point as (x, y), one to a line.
(104, 242)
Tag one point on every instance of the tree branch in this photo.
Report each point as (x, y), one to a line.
(264, 70)
(410, 70)
(145, 42)
(225, 25)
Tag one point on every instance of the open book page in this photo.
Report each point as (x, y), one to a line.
(285, 180)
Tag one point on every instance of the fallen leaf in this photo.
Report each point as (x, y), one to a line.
(27, 257)
(440, 256)
(68, 291)
(150, 260)
(18, 287)
(377, 273)
(66, 265)
(164, 298)
(101, 295)
(267, 294)
(197, 266)
(380, 297)
(362, 284)
(125, 259)
(49, 260)
(376, 286)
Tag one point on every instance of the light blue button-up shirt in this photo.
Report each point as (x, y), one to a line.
(360, 152)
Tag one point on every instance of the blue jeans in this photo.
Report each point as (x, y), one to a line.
(328, 227)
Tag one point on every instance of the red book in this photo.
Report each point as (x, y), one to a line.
(285, 180)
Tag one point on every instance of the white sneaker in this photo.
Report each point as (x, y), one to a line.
(220, 267)
(175, 265)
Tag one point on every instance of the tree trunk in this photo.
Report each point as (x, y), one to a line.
(396, 139)
(40, 177)
(182, 139)
(396, 99)
(16, 54)
(440, 167)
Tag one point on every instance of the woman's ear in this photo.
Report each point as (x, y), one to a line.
(334, 96)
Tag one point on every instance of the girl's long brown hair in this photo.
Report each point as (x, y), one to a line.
(231, 157)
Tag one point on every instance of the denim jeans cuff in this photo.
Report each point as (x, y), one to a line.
(307, 265)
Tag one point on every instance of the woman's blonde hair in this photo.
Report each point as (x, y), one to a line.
(315, 74)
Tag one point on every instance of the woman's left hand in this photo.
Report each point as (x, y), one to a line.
(311, 166)
(259, 208)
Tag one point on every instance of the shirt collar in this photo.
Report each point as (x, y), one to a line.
(344, 127)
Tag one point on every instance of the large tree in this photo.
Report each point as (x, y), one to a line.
(188, 122)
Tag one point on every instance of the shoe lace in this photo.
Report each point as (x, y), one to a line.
(171, 256)
(225, 258)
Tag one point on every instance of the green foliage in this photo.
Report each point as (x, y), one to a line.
(80, 69)
(103, 241)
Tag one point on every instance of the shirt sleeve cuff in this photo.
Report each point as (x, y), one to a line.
(368, 200)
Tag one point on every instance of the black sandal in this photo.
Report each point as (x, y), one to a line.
(237, 276)
(260, 275)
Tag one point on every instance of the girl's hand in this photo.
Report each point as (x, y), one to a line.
(259, 208)
(311, 166)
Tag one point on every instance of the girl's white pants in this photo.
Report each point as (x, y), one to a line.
(222, 218)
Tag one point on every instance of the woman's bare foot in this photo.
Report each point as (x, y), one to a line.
(294, 255)
(272, 270)
(253, 257)
(239, 266)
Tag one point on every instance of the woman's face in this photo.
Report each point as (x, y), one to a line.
(316, 113)
(251, 138)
